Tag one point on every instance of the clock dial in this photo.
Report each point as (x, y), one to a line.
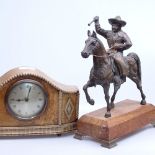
(26, 99)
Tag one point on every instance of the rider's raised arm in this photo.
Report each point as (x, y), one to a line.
(98, 28)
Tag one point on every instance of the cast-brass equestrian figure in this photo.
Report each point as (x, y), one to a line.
(110, 66)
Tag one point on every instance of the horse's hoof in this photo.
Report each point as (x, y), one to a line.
(143, 102)
(107, 114)
(91, 102)
(112, 105)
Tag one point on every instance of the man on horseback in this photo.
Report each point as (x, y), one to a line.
(118, 41)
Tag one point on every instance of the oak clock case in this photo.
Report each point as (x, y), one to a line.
(32, 103)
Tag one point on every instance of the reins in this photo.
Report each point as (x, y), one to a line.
(99, 56)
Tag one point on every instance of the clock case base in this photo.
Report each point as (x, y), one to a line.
(128, 116)
(37, 130)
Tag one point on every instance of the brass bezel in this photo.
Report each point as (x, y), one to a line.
(17, 116)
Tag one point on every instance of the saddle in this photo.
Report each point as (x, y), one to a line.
(117, 69)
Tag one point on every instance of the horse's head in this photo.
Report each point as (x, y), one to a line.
(92, 45)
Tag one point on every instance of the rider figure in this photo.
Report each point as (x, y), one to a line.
(118, 41)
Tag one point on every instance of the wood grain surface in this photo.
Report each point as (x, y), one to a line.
(127, 117)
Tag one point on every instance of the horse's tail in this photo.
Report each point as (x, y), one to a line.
(136, 57)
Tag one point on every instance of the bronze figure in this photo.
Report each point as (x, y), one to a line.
(118, 41)
(110, 66)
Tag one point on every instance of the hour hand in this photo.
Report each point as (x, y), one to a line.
(19, 100)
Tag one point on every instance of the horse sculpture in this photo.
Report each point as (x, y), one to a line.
(105, 71)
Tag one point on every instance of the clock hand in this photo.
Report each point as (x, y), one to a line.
(27, 97)
(18, 100)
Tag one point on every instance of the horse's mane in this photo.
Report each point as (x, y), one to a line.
(101, 43)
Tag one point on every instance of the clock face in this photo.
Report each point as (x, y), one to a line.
(26, 99)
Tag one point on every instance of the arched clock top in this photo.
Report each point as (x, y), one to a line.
(29, 71)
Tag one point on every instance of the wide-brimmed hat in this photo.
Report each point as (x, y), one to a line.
(118, 20)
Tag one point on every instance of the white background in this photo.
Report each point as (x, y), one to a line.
(49, 35)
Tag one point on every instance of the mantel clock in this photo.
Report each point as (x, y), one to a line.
(31, 103)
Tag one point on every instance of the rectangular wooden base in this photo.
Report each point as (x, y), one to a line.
(127, 117)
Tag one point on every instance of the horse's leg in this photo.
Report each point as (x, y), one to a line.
(116, 87)
(135, 74)
(139, 86)
(85, 87)
(106, 93)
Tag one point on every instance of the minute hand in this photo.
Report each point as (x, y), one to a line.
(27, 97)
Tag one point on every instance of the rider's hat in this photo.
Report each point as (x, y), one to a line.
(116, 20)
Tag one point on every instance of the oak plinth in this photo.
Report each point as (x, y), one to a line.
(127, 116)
